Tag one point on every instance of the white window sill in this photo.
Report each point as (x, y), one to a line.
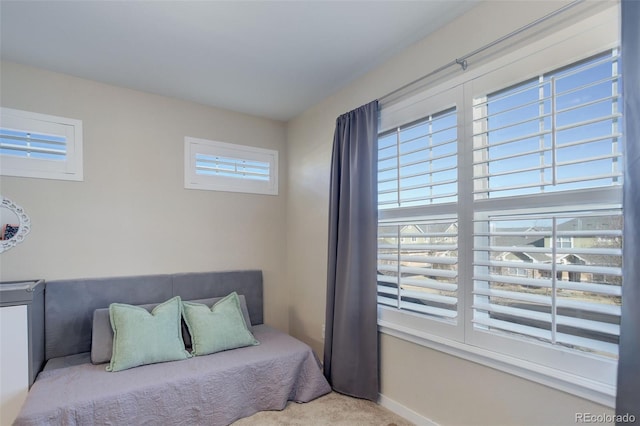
(572, 384)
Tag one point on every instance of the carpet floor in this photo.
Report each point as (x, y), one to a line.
(331, 409)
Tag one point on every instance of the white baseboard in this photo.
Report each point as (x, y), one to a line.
(405, 412)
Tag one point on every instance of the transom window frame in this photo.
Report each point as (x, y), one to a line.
(231, 167)
(68, 129)
(589, 37)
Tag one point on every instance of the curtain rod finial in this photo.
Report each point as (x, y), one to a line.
(463, 63)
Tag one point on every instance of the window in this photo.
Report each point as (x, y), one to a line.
(508, 184)
(418, 226)
(222, 166)
(570, 296)
(418, 259)
(40, 146)
(419, 276)
(557, 132)
(417, 163)
(564, 242)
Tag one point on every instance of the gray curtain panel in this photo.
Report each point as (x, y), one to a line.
(351, 336)
(628, 397)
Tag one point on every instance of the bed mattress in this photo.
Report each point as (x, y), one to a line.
(215, 389)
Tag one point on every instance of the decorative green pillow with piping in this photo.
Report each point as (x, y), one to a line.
(218, 328)
(141, 337)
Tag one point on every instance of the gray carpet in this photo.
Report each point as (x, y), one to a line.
(331, 409)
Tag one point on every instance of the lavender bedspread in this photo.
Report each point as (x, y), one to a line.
(208, 390)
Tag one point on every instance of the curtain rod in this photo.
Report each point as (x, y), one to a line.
(462, 61)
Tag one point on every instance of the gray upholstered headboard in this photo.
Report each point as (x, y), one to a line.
(69, 304)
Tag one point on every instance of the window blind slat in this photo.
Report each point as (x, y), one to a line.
(429, 310)
(514, 327)
(429, 271)
(514, 295)
(513, 156)
(606, 289)
(442, 260)
(386, 301)
(548, 250)
(531, 282)
(421, 259)
(449, 141)
(34, 138)
(585, 324)
(430, 283)
(513, 311)
(33, 149)
(446, 300)
(422, 173)
(593, 345)
(481, 144)
(232, 172)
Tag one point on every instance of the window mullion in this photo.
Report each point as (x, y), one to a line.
(398, 172)
(541, 129)
(430, 162)
(614, 111)
(553, 132)
(554, 277)
(465, 205)
(399, 270)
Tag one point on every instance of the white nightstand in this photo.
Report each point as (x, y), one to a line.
(21, 343)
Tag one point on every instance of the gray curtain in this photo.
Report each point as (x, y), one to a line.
(351, 333)
(628, 397)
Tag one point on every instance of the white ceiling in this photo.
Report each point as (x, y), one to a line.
(267, 58)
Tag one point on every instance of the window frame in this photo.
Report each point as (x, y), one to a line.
(194, 180)
(438, 101)
(586, 38)
(69, 169)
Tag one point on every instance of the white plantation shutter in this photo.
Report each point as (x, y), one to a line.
(40, 145)
(417, 267)
(418, 248)
(238, 168)
(526, 285)
(24, 144)
(221, 166)
(560, 131)
(417, 163)
(547, 217)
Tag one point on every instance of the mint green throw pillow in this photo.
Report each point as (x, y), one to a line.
(217, 329)
(141, 337)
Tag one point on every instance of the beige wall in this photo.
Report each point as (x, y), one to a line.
(131, 215)
(452, 391)
(440, 387)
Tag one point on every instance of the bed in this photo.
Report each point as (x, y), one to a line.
(214, 389)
